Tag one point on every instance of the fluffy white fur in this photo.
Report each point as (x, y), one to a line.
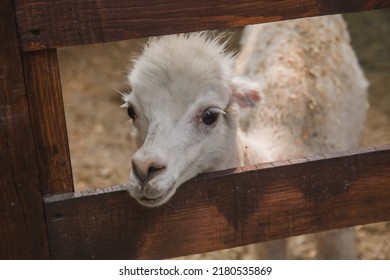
(316, 93)
(314, 101)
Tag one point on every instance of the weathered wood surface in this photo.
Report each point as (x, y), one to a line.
(225, 209)
(53, 23)
(44, 92)
(22, 224)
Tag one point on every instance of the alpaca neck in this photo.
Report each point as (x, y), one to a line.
(244, 150)
(254, 148)
(233, 156)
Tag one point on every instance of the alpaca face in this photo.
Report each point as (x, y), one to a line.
(184, 106)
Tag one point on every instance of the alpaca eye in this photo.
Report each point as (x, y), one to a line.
(209, 117)
(131, 112)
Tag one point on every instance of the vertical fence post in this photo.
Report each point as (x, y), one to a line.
(22, 218)
(43, 87)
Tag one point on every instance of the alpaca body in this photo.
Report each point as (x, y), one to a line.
(315, 92)
(195, 112)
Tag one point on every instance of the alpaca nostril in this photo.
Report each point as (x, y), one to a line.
(153, 170)
(145, 170)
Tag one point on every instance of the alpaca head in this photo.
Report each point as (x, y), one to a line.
(184, 104)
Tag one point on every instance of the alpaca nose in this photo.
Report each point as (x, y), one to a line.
(146, 169)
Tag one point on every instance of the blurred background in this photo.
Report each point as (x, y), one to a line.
(102, 141)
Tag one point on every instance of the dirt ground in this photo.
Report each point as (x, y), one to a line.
(101, 145)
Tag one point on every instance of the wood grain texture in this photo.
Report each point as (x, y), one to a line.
(53, 23)
(44, 92)
(22, 224)
(225, 209)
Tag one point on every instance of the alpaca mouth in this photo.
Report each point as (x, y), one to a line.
(154, 202)
(150, 201)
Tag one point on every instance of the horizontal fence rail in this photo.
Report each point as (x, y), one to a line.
(47, 24)
(225, 209)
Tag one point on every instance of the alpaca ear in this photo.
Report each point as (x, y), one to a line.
(245, 92)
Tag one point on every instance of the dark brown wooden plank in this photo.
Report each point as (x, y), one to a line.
(51, 24)
(225, 209)
(48, 121)
(22, 224)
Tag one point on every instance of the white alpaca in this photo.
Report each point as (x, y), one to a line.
(187, 97)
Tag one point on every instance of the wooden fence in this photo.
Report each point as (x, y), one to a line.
(40, 215)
